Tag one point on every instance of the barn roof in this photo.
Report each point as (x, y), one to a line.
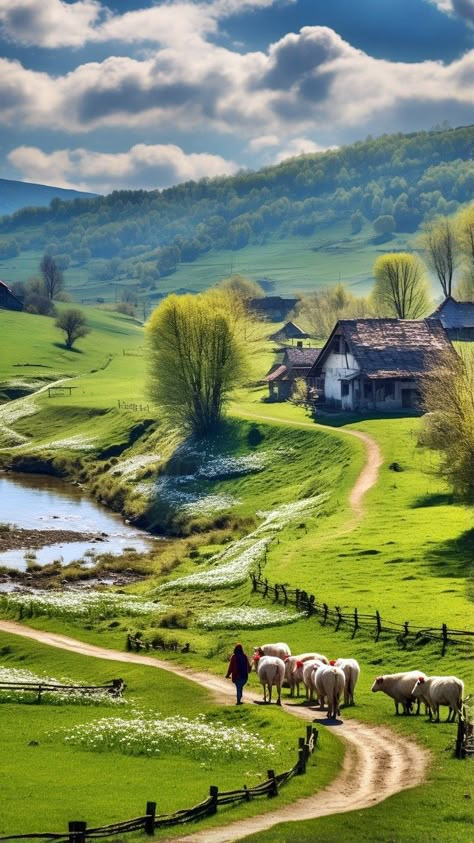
(301, 357)
(290, 331)
(455, 314)
(390, 348)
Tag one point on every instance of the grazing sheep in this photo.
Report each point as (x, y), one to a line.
(441, 690)
(351, 670)
(399, 686)
(308, 669)
(294, 669)
(270, 671)
(329, 681)
(280, 650)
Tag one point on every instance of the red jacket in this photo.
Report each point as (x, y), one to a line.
(233, 669)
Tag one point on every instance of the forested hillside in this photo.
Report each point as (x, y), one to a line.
(384, 187)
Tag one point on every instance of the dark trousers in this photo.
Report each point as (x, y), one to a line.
(239, 687)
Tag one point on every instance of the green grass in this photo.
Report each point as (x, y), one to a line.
(106, 787)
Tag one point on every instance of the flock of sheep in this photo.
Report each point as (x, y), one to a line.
(330, 680)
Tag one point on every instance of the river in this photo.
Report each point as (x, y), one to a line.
(39, 502)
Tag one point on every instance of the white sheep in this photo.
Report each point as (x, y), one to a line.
(270, 671)
(351, 670)
(309, 667)
(329, 681)
(399, 686)
(294, 669)
(440, 690)
(280, 650)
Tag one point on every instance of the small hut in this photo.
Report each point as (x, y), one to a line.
(457, 318)
(7, 299)
(296, 363)
(290, 333)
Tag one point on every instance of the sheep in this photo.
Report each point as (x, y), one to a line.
(440, 690)
(294, 669)
(308, 670)
(270, 671)
(351, 670)
(399, 686)
(329, 682)
(280, 650)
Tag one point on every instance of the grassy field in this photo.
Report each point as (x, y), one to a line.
(293, 264)
(410, 557)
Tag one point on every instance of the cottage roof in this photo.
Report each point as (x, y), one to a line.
(290, 331)
(455, 314)
(390, 348)
(276, 374)
(301, 357)
(5, 286)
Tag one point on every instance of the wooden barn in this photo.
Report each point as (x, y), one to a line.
(377, 363)
(290, 333)
(296, 363)
(7, 300)
(457, 318)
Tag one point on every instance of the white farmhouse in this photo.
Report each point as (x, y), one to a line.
(377, 363)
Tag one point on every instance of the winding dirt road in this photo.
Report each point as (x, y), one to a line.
(370, 471)
(377, 763)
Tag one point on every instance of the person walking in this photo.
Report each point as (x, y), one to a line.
(238, 670)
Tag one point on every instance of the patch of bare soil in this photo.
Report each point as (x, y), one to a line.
(377, 763)
(19, 539)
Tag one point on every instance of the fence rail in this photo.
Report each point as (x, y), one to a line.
(115, 688)
(137, 643)
(78, 832)
(355, 620)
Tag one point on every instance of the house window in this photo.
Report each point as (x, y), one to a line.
(344, 389)
(368, 389)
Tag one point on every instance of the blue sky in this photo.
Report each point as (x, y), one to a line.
(140, 94)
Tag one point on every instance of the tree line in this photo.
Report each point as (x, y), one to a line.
(394, 183)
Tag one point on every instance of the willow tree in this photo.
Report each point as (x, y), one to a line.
(196, 358)
(401, 288)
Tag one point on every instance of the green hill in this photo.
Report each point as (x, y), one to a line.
(306, 221)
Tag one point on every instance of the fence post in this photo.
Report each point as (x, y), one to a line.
(444, 632)
(309, 732)
(277, 592)
(356, 623)
(150, 817)
(297, 597)
(285, 596)
(77, 831)
(274, 786)
(254, 582)
(311, 607)
(459, 750)
(129, 642)
(315, 736)
(247, 794)
(265, 590)
(213, 793)
(325, 613)
(339, 618)
(301, 757)
(378, 621)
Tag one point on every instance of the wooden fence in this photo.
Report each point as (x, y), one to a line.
(355, 620)
(137, 643)
(78, 832)
(115, 688)
(464, 747)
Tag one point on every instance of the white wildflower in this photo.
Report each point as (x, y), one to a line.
(62, 695)
(247, 617)
(78, 603)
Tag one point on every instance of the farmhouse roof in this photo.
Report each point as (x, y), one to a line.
(455, 314)
(276, 374)
(290, 331)
(296, 363)
(390, 348)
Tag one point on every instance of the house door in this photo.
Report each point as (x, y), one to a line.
(409, 398)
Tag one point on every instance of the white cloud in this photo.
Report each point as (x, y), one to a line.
(54, 23)
(49, 23)
(461, 8)
(263, 142)
(142, 166)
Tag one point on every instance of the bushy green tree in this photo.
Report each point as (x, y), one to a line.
(385, 224)
(73, 324)
(401, 287)
(196, 357)
(448, 426)
(318, 312)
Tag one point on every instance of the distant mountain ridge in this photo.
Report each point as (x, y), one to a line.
(19, 194)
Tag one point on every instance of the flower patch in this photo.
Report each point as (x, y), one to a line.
(78, 603)
(21, 675)
(247, 618)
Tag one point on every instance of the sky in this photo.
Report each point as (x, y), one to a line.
(140, 94)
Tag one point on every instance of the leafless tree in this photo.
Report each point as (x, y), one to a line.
(53, 278)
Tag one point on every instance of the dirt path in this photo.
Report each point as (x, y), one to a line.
(377, 764)
(374, 459)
